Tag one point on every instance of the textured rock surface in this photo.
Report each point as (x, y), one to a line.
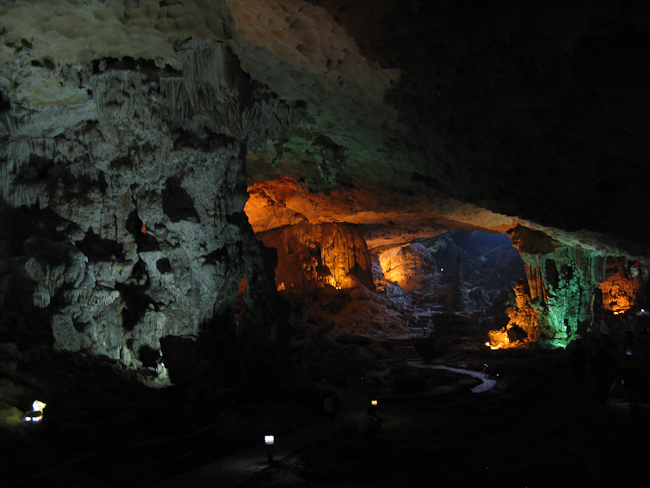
(562, 280)
(622, 285)
(328, 254)
(404, 264)
(123, 213)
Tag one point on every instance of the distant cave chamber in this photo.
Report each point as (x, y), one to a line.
(524, 292)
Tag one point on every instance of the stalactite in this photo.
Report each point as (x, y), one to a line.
(121, 102)
(175, 105)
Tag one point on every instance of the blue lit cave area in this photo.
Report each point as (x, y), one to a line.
(324, 243)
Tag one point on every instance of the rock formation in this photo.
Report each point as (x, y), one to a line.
(557, 303)
(123, 212)
(328, 254)
(408, 265)
(622, 285)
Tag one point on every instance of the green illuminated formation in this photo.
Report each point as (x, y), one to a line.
(568, 277)
(562, 280)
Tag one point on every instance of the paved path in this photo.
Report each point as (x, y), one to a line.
(234, 470)
(414, 360)
(487, 383)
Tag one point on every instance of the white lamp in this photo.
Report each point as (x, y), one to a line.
(269, 440)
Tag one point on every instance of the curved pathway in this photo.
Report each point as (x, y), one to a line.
(487, 383)
(414, 360)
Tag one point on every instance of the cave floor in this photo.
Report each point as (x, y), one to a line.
(535, 428)
(557, 440)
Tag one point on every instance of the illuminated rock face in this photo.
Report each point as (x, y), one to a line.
(122, 216)
(326, 253)
(621, 286)
(561, 284)
(407, 265)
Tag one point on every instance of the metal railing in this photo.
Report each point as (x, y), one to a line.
(113, 463)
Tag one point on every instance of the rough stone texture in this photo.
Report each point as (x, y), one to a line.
(123, 212)
(326, 253)
(622, 285)
(404, 264)
(562, 281)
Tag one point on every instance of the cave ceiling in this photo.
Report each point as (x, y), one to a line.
(413, 116)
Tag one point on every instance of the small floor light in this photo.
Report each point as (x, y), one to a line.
(372, 409)
(269, 441)
(36, 415)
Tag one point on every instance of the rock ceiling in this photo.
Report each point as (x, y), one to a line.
(413, 115)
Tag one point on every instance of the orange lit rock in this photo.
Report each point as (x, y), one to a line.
(404, 265)
(620, 289)
(385, 218)
(326, 253)
(524, 325)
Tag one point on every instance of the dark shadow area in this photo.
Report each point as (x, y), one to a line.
(177, 203)
(137, 301)
(146, 241)
(99, 249)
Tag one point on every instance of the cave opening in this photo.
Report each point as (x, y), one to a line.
(451, 288)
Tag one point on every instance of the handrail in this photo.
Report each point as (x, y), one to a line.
(137, 445)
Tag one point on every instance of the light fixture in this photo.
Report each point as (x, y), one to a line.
(269, 440)
(36, 414)
(373, 403)
(38, 406)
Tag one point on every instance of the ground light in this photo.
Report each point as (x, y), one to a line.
(269, 440)
(36, 414)
(372, 409)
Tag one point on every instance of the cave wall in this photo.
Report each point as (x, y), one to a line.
(326, 253)
(122, 214)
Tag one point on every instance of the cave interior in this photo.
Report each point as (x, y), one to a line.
(414, 230)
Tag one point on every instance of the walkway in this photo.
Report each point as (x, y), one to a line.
(234, 470)
(487, 383)
(414, 360)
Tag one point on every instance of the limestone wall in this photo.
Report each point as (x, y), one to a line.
(122, 214)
